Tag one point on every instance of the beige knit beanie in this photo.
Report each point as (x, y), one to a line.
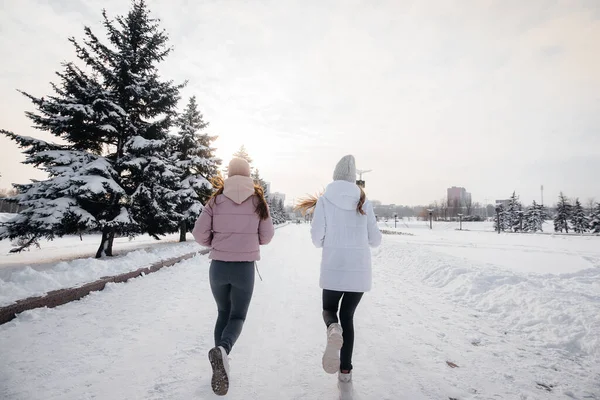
(238, 166)
(345, 170)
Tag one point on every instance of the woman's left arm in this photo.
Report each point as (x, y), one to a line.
(318, 227)
(373, 230)
(202, 231)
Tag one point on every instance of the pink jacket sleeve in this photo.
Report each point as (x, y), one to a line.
(202, 231)
(266, 231)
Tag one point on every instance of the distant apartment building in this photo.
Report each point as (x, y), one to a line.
(458, 197)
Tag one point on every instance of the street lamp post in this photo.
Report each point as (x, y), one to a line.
(360, 182)
(430, 218)
(498, 218)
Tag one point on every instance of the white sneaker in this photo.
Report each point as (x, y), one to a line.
(331, 357)
(345, 386)
(219, 361)
(345, 378)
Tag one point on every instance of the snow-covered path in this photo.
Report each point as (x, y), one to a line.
(148, 338)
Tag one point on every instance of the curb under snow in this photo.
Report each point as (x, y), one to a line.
(59, 297)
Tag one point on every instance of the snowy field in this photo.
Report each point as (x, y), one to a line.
(68, 262)
(518, 315)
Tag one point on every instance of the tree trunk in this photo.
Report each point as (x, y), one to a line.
(106, 244)
(182, 231)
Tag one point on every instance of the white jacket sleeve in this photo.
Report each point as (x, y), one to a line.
(318, 226)
(374, 232)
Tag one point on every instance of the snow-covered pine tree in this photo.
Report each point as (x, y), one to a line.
(579, 220)
(514, 213)
(563, 214)
(595, 219)
(281, 211)
(241, 153)
(198, 166)
(277, 211)
(260, 181)
(82, 191)
(138, 143)
(534, 218)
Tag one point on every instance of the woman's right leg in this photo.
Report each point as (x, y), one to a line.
(331, 356)
(331, 302)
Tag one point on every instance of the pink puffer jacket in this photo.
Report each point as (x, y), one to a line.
(231, 228)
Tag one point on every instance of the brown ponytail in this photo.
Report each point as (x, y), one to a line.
(307, 204)
(361, 202)
(262, 209)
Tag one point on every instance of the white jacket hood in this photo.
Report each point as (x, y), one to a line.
(343, 194)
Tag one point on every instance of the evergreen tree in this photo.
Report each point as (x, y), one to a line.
(114, 120)
(595, 219)
(277, 211)
(514, 214)
(243, 153)
(534, 218)
(260, 181)
(579, 220)
(563, 214)
(77, 195)
(197, 165)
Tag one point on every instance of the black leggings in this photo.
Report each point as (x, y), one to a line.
(350, 300)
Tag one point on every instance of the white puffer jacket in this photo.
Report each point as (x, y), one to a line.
(345, 236)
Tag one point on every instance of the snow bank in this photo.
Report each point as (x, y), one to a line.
(26, 282)
(557, 311)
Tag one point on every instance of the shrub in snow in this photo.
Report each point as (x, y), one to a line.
(563, 214)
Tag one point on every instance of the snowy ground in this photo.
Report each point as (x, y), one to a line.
(512, 332)
(68, 262)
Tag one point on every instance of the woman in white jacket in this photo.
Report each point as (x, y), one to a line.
(345, 227)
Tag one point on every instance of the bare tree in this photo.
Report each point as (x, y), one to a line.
(590, 204)
(477, 207)
(455, 207)
(469, 205)
(444, 207)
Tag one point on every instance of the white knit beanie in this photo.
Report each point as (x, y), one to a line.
(345, 170)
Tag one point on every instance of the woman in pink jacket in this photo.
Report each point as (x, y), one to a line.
(234, 223)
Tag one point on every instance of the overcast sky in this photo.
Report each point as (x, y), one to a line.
(494, 96)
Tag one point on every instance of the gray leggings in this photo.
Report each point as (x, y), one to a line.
(232, 284)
